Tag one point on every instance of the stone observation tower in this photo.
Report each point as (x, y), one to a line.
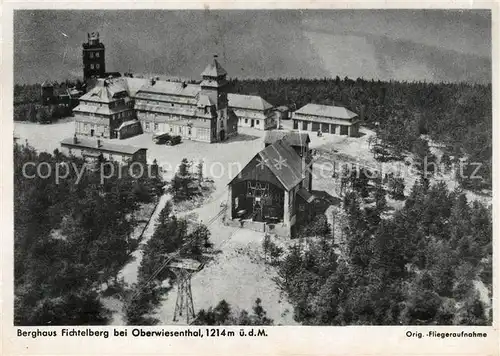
(214, 87)
(93, 57)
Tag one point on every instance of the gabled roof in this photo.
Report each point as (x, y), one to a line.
(292, 137)
(214, 69)
(289, 172)
(48, 84)
(252, 102)
(336, 112)
(105, 91)
(283, 162)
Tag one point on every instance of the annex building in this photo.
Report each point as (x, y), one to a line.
(93, 149)
(272, 192)
(326, 119)
(252, 111)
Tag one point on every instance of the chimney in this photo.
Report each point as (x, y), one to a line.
(152, 81)
(75, 139)
(184, 84)
(99, 143)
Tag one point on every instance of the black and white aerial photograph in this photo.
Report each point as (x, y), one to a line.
(315, 167)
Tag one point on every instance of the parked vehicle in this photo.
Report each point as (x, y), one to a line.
(167, 139)
(161, 139)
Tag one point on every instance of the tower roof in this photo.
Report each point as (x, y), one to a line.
(214, 69)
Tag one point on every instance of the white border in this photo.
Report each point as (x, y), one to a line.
(283, 340)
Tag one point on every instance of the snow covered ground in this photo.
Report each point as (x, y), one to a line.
(237, 273)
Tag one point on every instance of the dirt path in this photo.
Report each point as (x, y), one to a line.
(129, 272)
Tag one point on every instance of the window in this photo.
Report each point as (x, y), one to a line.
(97, 54)
(91, 54)
(258, 122)
(156, 126)
(246, 121)
(171, 130)
(147, 125)
(172, 104)
(97, 66)
(92, 66)
(189, 131)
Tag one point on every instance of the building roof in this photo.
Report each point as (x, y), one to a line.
(105, 90)
(214, 69)
(252, 102)
(292, 137)
(158, 76)
(133, 85)
(336, 112)
(105, 146)
(48, 84)
(204, 100)
(170, 88)
(101, 110)
(289, 171)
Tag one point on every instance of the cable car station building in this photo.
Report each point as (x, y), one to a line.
(273, 191)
